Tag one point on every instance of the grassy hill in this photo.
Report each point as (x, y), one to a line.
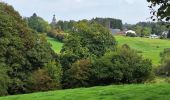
(113, 92)
(56, 46)
(149, 48)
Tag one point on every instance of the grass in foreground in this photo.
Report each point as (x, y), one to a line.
(150, 48)
(56, 46)
(113, 92)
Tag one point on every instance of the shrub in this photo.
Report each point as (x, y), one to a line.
(78, 75)
(131, 34)
(164, 68)
(121, 66)
(40, 80)
(57, 34)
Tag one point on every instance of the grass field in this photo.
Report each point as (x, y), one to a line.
(150, 48)
(56, 46)
(113, 92)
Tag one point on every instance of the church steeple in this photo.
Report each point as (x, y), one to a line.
(54, 21)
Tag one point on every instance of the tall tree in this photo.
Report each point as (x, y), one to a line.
(163, 11)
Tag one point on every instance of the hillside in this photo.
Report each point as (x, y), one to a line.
(113, 92)
(149, 48)
(56, 46)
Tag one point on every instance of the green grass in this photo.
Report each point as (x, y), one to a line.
(56, 46)
(113, 92)
(150, 48)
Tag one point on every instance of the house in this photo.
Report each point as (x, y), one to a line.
(154, 36)
(130, 31)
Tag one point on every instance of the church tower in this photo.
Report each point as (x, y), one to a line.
(54, 21)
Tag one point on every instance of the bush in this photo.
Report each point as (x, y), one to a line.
(41, 81)
(121, 66)
(164, 68)
(47, 78)
(131, 34)
(78, 75)
(57, 34)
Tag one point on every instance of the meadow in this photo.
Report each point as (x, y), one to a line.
(148, 48)
(112, 92)
(56, 46)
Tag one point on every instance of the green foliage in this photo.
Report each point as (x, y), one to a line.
(131, 34)
(54, 70)
(109, 22)
(38, 23)
(163, 10)
(88, 39)
(4, 80)
(65, 26)
(22, 51)
(147, 28)
(164, 68)
(41, 81)
(57, 34)
(122, 66)
(78, 75)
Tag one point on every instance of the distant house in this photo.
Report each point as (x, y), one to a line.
(130, 31)
(154, 36)
(115, 31)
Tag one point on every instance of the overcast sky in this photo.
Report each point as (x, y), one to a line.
(130, 11)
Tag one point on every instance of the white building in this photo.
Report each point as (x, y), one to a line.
(154, 36)
(130, 31)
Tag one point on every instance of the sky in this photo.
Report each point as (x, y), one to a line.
(129, 11)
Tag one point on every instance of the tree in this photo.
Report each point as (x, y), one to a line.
(37, 23)
(4, 81)
(163, 11)
(146, 31)
(22, 50)
(89, 37)
(121, 66)
(164, 68)
(79, 74)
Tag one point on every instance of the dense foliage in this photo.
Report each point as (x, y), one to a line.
(22, 51)
(109, 22)
(160, 9)
(147, 28)
(164, 68)
(123, 65)
(57, 34)
(37, 23)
